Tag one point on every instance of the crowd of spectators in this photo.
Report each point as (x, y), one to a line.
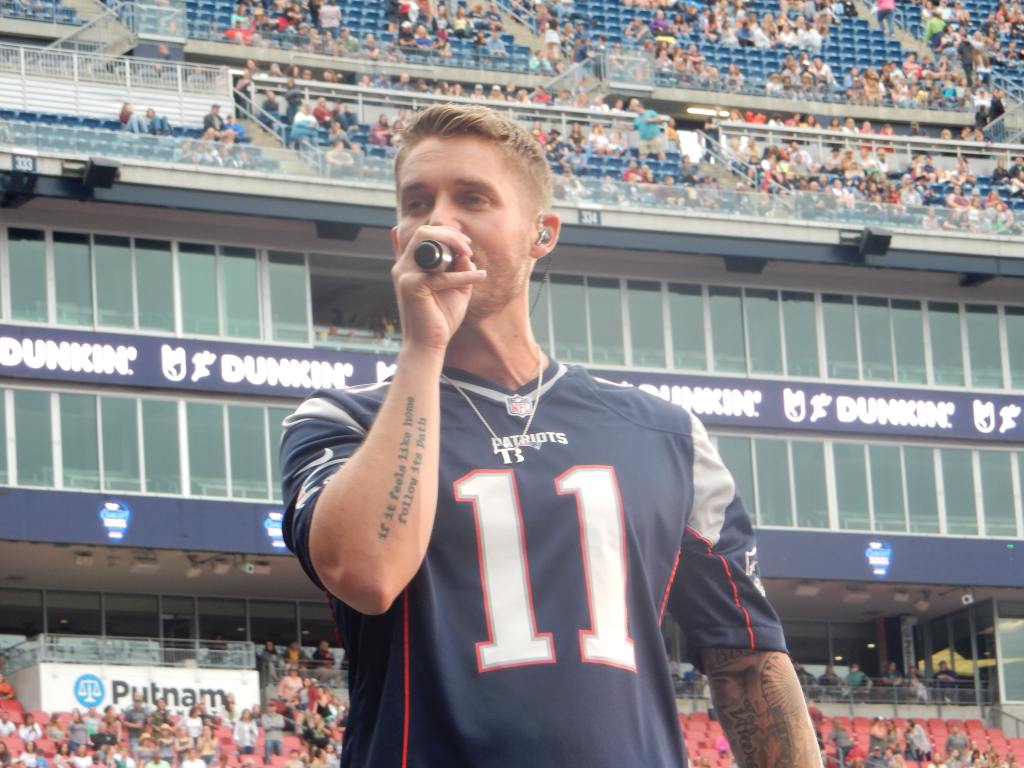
(870, 174)
(303, 713)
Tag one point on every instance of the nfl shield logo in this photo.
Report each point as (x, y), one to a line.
(520, 406)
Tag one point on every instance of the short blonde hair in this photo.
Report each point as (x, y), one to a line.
(453, 120)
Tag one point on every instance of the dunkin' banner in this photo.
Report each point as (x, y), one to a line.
(292, 372)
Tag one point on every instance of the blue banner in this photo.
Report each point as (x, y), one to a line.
(291, 372)
(254, 528)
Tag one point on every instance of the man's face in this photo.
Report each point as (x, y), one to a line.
(469, 184)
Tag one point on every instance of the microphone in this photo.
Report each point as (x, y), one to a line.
(432, 256)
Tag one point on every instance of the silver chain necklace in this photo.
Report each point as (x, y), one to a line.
(509, 452)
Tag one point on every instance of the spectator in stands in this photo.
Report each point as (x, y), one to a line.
(246, 733)
(207, 746)
(6, 758)
(6, 689)
(54, 731)
(956, 739)
(213, 120)
(272, 722)
(304, 127)
(29, 730)
(183, 741)
(380, 132)
(192, 760)
(649, 126)
(829, 678)
(31, 756)
(885, 10)
(157, 124)
(166, 743)
(289, 687)
(135, 719)
(918, 746)
(840, 737)
(7, 726)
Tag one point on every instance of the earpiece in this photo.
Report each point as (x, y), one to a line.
(543, 236)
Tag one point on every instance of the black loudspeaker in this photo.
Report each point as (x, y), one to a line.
(100, 173)
(337, 230)
(874, 242)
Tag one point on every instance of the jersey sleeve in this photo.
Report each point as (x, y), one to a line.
(318, 438)
(717, 596)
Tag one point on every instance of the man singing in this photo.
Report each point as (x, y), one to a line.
(500, 535)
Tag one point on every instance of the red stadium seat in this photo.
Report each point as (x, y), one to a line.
(11, 705)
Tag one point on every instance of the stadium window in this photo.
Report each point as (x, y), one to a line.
(908, 335)
(1010, 628)
(239, 293)
(275, 417)
(289, 297)
(206, 456)
(774, 503)
(986, 360)
(887, 500)
(26, 251)
(851, 486)
(604, 297)
(73, 613)
(726, 309)
(22, 616)
(160, 453)
(130, 616)
(272, 620)
(646, 324)
(686, 314)
(119, 417)
(764, 330)
(79, 435)
(840, 336)
(801, 334)
(540, 318)
(736, 455)
(221, 616)
(958, 491)
(569, 311)
(248, 445)
(316, 623)
(809, 489)
(875, 332)
(33, 437)
(72, 272)
(1015, 345)
(197, 273)
(112, 264)
(997, 493)
(3, 437)
(178, 621)
(154, 285)
(923, 504)
(947, 350)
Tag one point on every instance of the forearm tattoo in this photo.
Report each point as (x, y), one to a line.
(759, 702)
(405, 479)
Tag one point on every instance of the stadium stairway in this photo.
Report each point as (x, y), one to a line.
(290, 162)
(87, 10)
(905, 38)
(521, 33)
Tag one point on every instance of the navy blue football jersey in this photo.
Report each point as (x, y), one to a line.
(531, 635)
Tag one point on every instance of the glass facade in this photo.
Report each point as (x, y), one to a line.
(120, 282)
(131, 444)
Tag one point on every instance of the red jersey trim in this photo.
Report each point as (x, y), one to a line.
(732, 585)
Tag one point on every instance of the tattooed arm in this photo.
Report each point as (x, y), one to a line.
(761, 707)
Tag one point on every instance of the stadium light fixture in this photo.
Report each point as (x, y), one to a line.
(144, 565)
(707, 111)
(856, 595)
(807, 589)
(84, 559)
(901, 596)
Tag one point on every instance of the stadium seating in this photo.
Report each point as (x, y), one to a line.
(39, 10)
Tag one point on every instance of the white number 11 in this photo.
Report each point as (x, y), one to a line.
(513, 639)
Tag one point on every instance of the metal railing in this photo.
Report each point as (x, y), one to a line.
(127, 72)
(121, 651)
(999, 718)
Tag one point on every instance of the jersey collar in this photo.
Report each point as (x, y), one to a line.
(491, 391)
